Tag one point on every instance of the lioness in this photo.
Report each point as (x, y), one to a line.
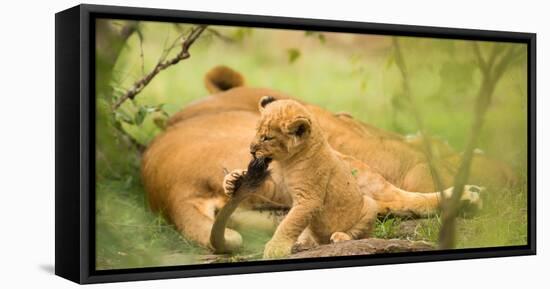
(183, 167)
(327, 203)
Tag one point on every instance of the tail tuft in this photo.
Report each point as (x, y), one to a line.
(222, 78)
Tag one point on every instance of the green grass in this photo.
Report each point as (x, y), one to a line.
(501, 222)
(342, 73)
(128, 233)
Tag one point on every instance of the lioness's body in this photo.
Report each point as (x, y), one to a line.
(398, 159)
(183, 168)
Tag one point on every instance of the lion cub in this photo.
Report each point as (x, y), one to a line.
(327, 205)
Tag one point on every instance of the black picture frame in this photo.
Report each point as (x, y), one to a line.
(75, 142)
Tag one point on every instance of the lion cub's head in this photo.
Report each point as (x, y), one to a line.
(285, 129)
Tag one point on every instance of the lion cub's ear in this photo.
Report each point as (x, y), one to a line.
(299, 127)
(265, 100)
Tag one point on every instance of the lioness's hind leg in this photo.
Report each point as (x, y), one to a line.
(403, 203)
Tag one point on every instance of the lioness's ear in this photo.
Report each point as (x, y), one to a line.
(299, 127)
(265, 100)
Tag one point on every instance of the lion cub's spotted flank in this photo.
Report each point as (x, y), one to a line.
(327, 205)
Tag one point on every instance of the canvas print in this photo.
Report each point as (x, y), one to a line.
(224, 144)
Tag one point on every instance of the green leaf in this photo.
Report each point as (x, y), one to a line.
(121, 115)
(354, 172)
(319, 35)
(140, 115)
(150, 109)
(160, 122)
(293, 54)
(322, 38)
(241, 33)
(153, 108)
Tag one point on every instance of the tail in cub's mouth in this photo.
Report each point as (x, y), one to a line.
(222, 78)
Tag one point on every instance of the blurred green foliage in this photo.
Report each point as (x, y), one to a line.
(341, 72)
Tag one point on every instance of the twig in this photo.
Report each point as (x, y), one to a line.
(129, 138)
(161, 65)
(400, 62)
(480, 61)
(221, 36)
(490, 76)
(140, 37)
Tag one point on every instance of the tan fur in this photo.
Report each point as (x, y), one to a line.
(329, 203)
(183, 168)
(221, 78)
(325, 195)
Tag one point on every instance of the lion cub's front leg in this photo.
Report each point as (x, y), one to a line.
(296, 221)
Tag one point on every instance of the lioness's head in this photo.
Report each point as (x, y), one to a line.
(285, 128)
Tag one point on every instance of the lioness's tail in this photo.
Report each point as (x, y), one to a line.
(222, 78)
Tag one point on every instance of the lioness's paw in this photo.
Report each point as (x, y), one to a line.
(233, 240)
(277, 249)
(232, 181)
(339, 237)
(471, 196)
(470, 199)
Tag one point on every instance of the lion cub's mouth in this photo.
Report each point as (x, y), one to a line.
(257, 171)
(260, 162)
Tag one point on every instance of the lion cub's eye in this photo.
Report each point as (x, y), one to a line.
(266, 138)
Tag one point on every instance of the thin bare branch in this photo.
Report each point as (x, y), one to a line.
(495, 52)
(400, 62)
(483, 99)
(510, 56)
(183, 54)
(480, 61)
(220, 36)
(129, 139)
(479, 58)
(140, 37)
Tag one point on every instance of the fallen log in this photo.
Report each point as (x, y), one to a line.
(364, 247)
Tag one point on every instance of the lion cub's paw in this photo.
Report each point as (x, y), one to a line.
(300, 247)
(339, 237)
(232, 181)
(277, 249)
